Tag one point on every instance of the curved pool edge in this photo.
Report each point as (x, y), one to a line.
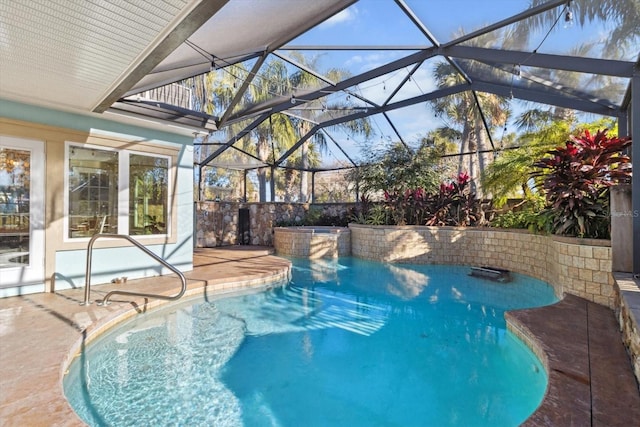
(197, 287)
(186, 300)
(557, 334)
(579, 346)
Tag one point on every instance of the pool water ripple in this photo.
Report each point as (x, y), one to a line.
(346, 343)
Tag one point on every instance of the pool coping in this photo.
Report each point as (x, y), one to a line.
(41, 334)
(590, 381)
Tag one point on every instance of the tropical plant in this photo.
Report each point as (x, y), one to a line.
(528, 214)
(399, 167)
(406, 207)
(576, 179)
(454, 204)
(369, 212)
(377, 215)
(508, 176)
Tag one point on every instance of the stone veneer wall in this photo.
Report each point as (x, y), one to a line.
(312, 242)
(217, 222)
(577, 266)
(628, 310)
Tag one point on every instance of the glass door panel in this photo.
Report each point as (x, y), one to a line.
(21, 212)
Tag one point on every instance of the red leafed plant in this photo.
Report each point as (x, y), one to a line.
(406, 207)
(576, 180)
(453, 204)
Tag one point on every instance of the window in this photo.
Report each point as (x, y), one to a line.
(93, 191)
(95, 202)
(15, 182)
(148, 177)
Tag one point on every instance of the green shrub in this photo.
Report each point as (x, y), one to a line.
(530, 215)
(315, 217)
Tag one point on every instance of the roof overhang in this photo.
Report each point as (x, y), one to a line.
(86, 56)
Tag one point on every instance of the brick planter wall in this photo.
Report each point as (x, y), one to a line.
(578, 266)
(312, 242)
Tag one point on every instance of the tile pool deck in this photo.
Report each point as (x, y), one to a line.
(591, 381)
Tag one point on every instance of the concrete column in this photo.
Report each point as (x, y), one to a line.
(621, 228)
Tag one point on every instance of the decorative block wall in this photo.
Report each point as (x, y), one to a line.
(577, 266)
(627, 294)
(312, 242)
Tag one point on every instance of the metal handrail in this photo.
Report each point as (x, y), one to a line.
(105, 301)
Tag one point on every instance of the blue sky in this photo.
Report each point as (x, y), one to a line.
(382, 23)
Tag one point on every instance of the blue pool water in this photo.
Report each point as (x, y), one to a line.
(345, 343)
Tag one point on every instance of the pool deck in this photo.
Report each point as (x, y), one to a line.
(591, 382)
(590, 378)
(40, 333)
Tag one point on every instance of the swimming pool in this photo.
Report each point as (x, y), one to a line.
(346, 343)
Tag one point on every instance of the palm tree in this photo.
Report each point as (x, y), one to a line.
(465, 116)
(278, 132)
(214, 92)
(622, 15)
(304, 80)
(211, 94)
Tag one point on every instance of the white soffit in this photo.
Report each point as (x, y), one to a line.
(70, 53)
(240, 28)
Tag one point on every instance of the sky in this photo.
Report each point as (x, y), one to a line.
(382, 23)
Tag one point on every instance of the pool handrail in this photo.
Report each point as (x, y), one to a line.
(105, 301)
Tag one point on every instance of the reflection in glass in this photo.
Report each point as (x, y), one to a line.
(93, 192)
(15, 180)
(148, 194)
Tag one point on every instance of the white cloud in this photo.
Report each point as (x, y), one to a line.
(344, 16)
(355, 59)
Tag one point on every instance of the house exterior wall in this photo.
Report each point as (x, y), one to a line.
(64, 260)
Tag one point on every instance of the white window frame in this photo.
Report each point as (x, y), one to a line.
(123, 191)
(169, 192)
